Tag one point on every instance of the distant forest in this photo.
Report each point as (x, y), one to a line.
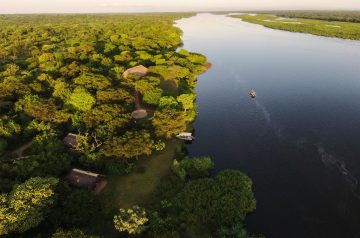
(347, 16)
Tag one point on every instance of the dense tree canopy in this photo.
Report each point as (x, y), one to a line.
(169, 122)
(64, 74)
(26, 205)
(221, 201)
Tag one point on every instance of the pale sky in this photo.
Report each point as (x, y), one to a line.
(83, 6)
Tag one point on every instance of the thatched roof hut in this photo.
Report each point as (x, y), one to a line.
(139, 70)
(85, 179)
(71, 140)
(139, 114)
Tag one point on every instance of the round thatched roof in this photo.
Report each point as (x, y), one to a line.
(139, 114)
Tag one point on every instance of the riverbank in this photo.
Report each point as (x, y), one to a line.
(338, 29)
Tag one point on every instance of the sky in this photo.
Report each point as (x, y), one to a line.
(86, 6)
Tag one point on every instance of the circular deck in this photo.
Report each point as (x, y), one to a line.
(139, 114)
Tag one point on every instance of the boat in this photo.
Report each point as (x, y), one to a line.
(185, 136)
(252, 93)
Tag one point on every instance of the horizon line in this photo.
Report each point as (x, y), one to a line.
(175, 11)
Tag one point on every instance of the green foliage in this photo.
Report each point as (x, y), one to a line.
(71, 234)
(26, 205)
(217, 202)
(79, 208)
(159, 145)
(63, 74)
(92, 81)
(347, 16)
(236, 231)
(168, 102)
(81, 100)
(3, 145)
(132, 220)
(169, 122)
(114, 95)
(41, 110)
(196, 167)
(152, 97)
(8, 127)
(186, 100)
(131, 144)
(338, 29)
(179, 170)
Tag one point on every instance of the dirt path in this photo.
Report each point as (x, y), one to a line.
(138, 105)
(19, 152)
(137, 101)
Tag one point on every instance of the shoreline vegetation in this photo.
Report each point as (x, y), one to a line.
(315, 23)
(67, 100)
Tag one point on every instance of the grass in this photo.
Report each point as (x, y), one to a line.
(137, 187)
(345, 30)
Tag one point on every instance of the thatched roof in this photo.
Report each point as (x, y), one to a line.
(85, 179)
(139, 114)
(70, 140)
(139, 70)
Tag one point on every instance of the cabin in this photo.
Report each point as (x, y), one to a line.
(70, 141)
(139, 114)
(185, 136)
(139, 71)
(87, 180)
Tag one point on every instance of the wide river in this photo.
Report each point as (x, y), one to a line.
(299, 139)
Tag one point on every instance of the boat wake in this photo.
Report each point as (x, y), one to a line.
(331, 160)
(266, 114)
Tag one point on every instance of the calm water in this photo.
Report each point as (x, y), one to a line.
(299, 140)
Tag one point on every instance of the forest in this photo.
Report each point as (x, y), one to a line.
(69, 98)
(339, 25)
(346, 16)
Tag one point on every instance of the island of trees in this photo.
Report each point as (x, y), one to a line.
(67, 106)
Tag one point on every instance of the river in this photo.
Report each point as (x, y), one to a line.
(299, 139)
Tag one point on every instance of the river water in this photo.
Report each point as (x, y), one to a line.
(299, 139)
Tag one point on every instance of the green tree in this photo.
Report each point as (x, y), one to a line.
(222, 201)
(79, 208)
(132, 220)
(92, 81)
(26, 205)
(186, 100)
(196, 167)
(81, 99)
(71, 234)
(236, 231)
(168, 101)
(131, 144)
(8, 127)
(152, 97)
(169, 122)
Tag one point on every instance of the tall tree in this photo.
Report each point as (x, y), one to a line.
(169, 122)
(26, 205)
(132, 220)
(186, 100)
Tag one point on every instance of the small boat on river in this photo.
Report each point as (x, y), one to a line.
(252, 93)
(185, 136)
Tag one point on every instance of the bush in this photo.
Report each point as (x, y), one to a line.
(196, 167)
